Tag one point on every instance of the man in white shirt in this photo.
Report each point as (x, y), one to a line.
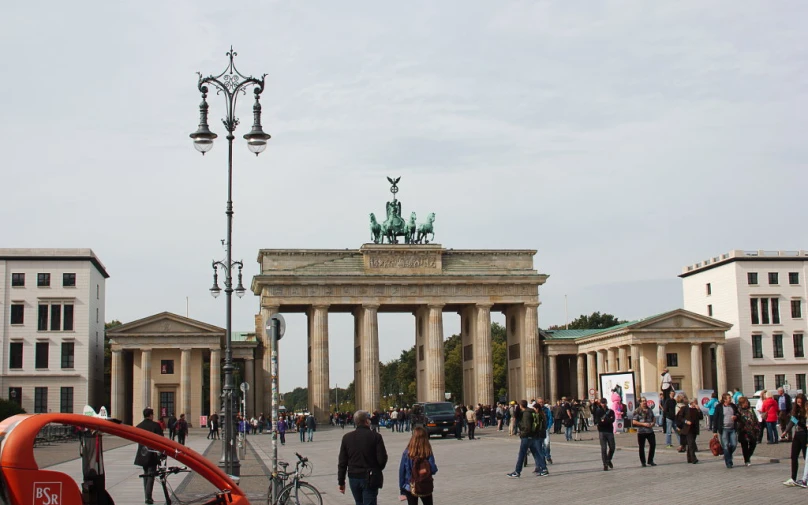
(666, 382)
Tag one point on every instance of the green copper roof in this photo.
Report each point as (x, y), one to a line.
(242, 336)
(573, 334)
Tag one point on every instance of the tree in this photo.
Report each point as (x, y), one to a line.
(596, 321)
(9, 408)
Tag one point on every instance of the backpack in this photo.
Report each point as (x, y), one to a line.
(421, 481)
(539, 424)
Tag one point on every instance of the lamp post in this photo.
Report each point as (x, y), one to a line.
(230, 84)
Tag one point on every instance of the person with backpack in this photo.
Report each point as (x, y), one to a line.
(417, 468)
(181, 429)
(604, 420)
(528, 423)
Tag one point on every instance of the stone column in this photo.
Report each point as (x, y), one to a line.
(530, 352)
(319, 396)
(661, 360)
(249, 378)
(721, 368)
(601, 365)
(116, 406)
(370, 357)
(215, 381)
(482, 355)
(145, 380)
(581, 376)
(185, 384)
(636, 366)
(695, 368)
(433, 356)
(622, 358)
(552, 366)
(592, 370)
(611, 362)
(266, 365)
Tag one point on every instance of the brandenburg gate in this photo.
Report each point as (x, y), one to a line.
(423, 280)
(415, 277)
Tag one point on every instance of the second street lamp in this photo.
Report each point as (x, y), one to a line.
(230, 84)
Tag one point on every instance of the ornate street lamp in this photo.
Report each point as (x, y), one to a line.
(230, 84)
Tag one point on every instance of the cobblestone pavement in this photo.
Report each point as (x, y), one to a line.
(475, 470)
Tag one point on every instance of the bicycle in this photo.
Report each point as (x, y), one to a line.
(162, 472)
(296, 492)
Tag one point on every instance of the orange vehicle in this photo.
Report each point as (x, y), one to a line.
(22, 482)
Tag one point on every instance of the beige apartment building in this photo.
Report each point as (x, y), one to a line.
(52, 333)
(762, 294)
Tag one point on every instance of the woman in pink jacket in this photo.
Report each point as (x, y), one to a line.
(770, 411)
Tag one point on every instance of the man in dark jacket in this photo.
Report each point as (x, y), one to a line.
(362, 456)
(688, 420)
(725, 422)
(669, 417)
(527, 436)
(144, 457)
(172, 423)
(604, 420)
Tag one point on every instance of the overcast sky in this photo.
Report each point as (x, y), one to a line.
(622, 140)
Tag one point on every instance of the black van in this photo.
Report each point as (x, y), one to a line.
(436, 417)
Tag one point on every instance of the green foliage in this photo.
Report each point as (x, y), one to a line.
(596, 321)
(499, 351)
(453, 367)
(296, 400)
(9, 408)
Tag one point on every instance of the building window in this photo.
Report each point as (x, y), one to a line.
(15, 355)
(40, 400)
(43, 280)
(709, 289)
(801, 382)
(764, 310)
(468, 352)
(56, 318)
(775, 311)
(773, 278)
(357, 352)
(167, 367)
(753, 306)
(796, 309)
(777, 344)
(799, 349)
(420, 353)
(779, 380)
(757, 346)
(673, 359)
(42, 318)
(68, 353)
(309, 354)
(41, 354)
(69, 280)
(15, 395)
(710, 310)
(793, 277)
(760, 383)
(17, 313)
(17, 280)
(514, 352)
(97, 291)
(66, 400)
(751, 278)
(68, 310)
(676, 383)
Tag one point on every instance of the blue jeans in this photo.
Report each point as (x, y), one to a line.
(302, 434)
(668, 431)
(542, 463)
(771, 432)
(527, 444)
(362, 494)
(729, 441)
(311, 434)
(568, 433)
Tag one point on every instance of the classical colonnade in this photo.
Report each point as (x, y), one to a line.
(524, 364)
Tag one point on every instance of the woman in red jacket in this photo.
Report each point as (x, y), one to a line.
(770, 413)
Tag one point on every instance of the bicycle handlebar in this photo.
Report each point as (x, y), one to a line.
(166, 471)
(301, 458)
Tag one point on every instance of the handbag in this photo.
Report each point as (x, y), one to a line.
(715, 447)
(375, 478)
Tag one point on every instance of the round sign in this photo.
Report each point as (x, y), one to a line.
(281, 324)
(651, 404)
(592, 391)
(704, 401)
(245, 387)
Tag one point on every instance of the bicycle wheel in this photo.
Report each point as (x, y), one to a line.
(269, 491)
(302, 494)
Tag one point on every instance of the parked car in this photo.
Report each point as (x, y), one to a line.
(436, 417)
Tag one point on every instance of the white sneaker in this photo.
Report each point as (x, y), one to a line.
(790, 483)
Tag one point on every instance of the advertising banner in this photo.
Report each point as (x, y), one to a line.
(616, 386)
(704, 397)
(631, 405)
(203, 421)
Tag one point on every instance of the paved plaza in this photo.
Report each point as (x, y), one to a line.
(475, 471)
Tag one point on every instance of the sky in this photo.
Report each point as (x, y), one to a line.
(622, 140)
